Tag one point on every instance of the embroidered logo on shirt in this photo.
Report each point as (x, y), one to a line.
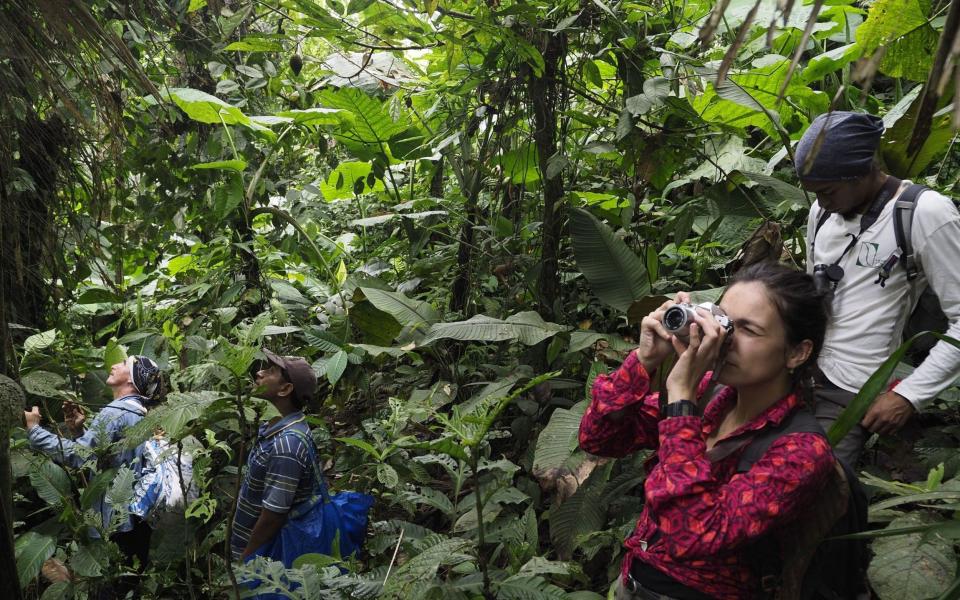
(868, 255)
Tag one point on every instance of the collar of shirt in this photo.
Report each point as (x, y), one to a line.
(270, 428)
(727, 397)
(134, 401)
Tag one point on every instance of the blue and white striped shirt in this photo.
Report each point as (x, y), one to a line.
(279, 476)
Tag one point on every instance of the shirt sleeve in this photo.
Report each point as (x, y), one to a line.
(623, 413)
(286, 465)
(937, 242)
(75, 453)
(699, 516)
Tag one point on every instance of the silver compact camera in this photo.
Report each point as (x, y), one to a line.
(678, 317)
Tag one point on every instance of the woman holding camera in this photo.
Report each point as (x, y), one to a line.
(701, 515)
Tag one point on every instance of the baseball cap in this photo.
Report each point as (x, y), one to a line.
(298, 372)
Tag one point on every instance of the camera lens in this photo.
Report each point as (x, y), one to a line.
(674, 318)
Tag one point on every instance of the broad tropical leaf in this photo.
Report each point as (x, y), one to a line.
(912, 566)
(528, 587)
(407, 312)
(902, 28)
(202, 107)
(558, 441)
(39, 341)
(579, 514)
(173, 416)
(371, 128)
(91, 560)
(528, 328)
(120, 493)
(32, 549)
(433, 552)
(616, 275)
(336, 365)
(51, 483)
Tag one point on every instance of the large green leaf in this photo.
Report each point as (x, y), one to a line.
(726, 158)
(559, 439)
(61, 590)
(96, 488)
(899, 122)
(254, 44)
(51, 483)
(336, 365)
(749, 98)
(91, 560)
(120, 493)
(521, 165)
(787, 192)
(616, 275)
(39, 341)
(581, 513)
(830, 61)
(378, 327)
(432, 552)
(903, 29)
(407, 312)
(317, 116)
(226, 165)
(526, 327)
(173, 416)
(912, 566)
(202, 107)
(372, 126)
(43, 383)
(32, 549)
(348, 180)
(523, 586)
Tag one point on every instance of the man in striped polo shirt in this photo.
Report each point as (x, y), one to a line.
(279, 474)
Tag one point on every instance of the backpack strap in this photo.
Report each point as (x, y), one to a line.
(799, 421)
(824, 215)
(903, 211)
(766, 553)
(320, 490)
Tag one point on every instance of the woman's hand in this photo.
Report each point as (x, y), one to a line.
(696, 358)
(655, 341)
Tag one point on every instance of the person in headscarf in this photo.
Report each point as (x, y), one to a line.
(852, 248)
(136, 386)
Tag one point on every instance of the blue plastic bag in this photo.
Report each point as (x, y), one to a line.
(331, 525)
(341, 518)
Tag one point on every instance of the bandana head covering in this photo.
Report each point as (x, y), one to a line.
(838, 145)
(145, 375)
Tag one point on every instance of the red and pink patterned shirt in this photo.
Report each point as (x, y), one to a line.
(705, 511)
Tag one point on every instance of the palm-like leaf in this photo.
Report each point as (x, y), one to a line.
(32, 549)
(526, 327)
(616, 275)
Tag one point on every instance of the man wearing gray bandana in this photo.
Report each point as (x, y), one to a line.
(852, 248)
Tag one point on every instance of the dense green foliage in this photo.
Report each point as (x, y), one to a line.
(457, 211)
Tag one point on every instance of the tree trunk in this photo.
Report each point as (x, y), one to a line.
(461, 284)
(26, 252)
(544, 93)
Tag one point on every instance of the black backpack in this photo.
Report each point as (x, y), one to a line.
(928, 315)
(802, 560)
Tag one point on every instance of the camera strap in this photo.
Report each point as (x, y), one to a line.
(889, 189)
